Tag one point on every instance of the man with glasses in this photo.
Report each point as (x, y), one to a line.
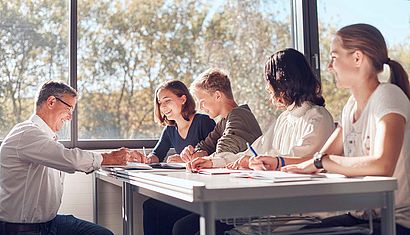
(70, 108)
(32, 166)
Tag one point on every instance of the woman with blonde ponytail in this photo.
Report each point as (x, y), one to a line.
(374, 135)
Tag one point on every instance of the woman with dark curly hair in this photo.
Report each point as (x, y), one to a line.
(304, 125)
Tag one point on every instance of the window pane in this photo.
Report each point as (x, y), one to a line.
(390, 17)
(33, 49)
(127, 48)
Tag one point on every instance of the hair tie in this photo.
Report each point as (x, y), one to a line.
(387, 61)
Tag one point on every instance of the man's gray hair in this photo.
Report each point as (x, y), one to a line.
(54, 88)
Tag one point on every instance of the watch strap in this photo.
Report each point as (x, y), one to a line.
(317, 160)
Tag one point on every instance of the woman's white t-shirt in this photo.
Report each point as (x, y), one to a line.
(359, 138)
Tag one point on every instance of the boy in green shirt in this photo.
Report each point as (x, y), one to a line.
(238, 125)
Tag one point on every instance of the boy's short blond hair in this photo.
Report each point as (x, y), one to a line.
(212, 80)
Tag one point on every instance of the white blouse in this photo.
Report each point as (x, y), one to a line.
(298, 131)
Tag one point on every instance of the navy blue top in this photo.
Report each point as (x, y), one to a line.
(170, 138)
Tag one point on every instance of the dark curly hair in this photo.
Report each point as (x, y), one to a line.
(292, 78)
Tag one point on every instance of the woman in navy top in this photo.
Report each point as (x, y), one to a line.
(175, 109)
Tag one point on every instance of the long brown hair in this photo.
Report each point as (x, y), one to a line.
(179, 89)
(370, 41)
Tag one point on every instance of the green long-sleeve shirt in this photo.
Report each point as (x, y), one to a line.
(232, 133)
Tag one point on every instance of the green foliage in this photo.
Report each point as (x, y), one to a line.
(139, 44)
(30, 36)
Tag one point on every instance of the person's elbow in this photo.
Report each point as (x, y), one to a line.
(387, 170)
(73, 166)
(385, 167)
(75, 161)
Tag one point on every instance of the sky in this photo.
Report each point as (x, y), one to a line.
(391, 17)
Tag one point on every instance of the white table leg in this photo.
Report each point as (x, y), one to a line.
(207, 220)
(127, 209)
(388, 222)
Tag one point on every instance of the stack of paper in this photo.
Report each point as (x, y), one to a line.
(143, 166)
(276, 176)
(165, 165)
(217, 171)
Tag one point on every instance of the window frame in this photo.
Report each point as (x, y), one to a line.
(306, 32)
(304, 36)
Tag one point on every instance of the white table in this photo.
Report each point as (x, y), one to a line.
(222, 196)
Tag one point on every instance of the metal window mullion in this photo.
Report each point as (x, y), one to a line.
(312, 24)
(297, 23)
(306, 37)
(73, 67)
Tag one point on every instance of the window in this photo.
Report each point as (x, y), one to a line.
(127, 48)
(390, 17)
(33, 49)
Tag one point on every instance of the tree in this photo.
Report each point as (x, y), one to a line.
(125, 55)
(31, 51)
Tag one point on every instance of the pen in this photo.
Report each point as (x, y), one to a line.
(255, 154)
(252, 149)
(196, 150)
(143, 150)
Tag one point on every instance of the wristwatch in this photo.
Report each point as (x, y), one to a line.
(317, 159)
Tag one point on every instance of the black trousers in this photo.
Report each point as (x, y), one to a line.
(189, 225)
(159, 217)
(163, 219)
(60, 225)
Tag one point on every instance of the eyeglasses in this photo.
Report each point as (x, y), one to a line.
(71, 108)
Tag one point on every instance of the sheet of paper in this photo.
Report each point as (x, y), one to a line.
(130, 165)
(165, 165)
(217, 171)
(143, 166)
(276, 176)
